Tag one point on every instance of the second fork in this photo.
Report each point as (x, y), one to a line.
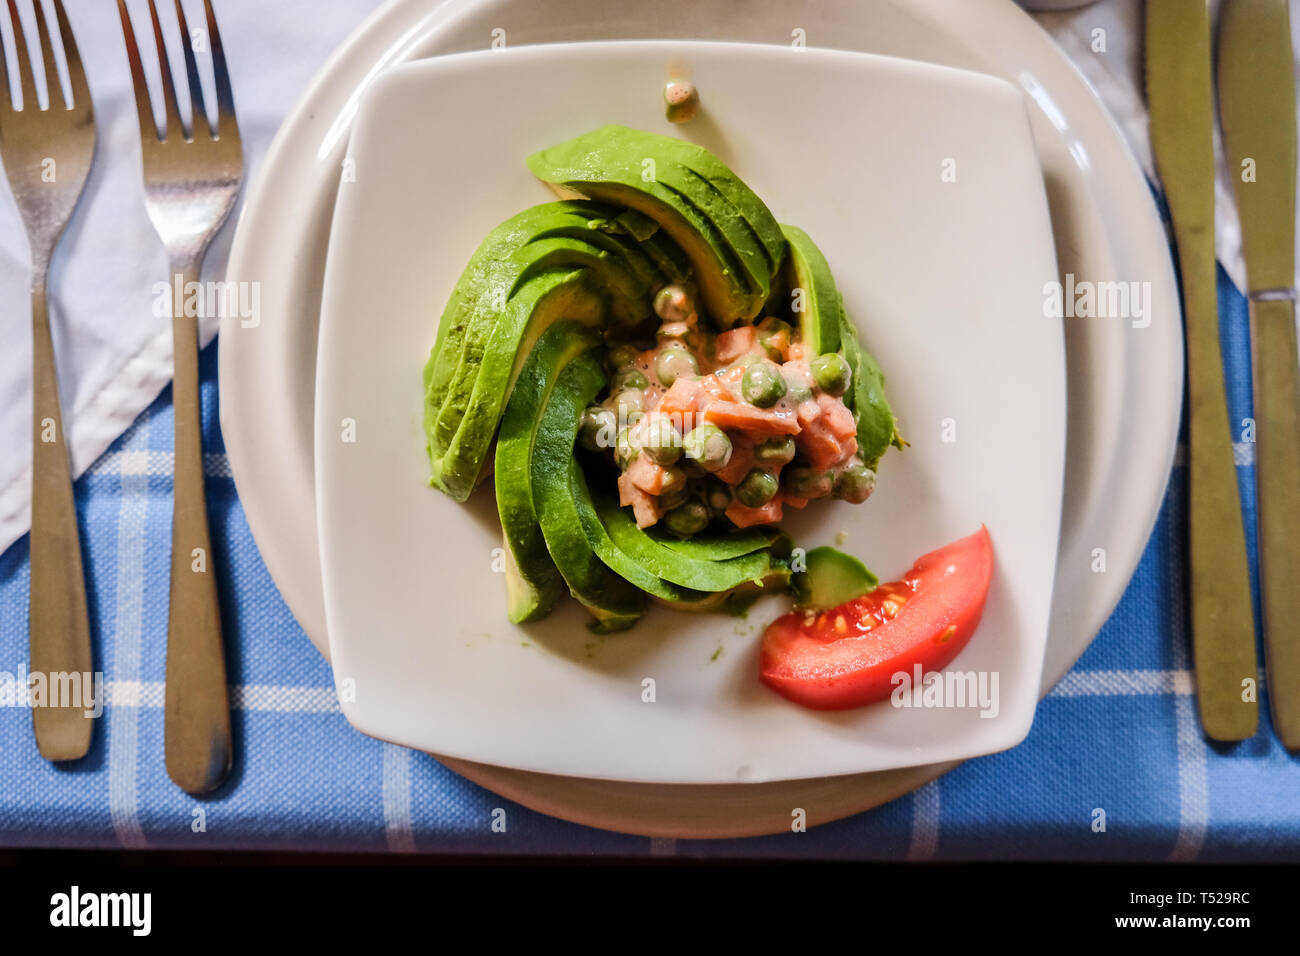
(190, 184)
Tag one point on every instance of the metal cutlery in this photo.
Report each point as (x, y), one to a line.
(1180, 94)
(47, 156)
(190, 183)
(1257, 105)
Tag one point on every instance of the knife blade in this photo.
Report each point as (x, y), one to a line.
(1180, 95)
(1257, 104)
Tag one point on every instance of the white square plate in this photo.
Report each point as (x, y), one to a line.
(920, 184)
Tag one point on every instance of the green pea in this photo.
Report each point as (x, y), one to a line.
(831, 373)
(672, 499)
(626, 449)
(708, 446)
(855, 483)
(662, 442)
(757, 488)
(672, 363)
(630, 404)
(687, 519)
(769, 332)
(597, 429)
(674, 480)
(775, 451)
(718, 497)
(762, 384)
(630, 378)
(622, 357)
(673, 304)
(806, 483)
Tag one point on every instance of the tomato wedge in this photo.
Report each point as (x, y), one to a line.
(847, 656)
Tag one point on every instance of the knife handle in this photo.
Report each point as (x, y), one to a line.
(1277, 460)
(1223, 617)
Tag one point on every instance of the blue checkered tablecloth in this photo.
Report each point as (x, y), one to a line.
(1119, 732)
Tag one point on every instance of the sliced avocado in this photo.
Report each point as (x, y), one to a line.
(480, 293)
(667, 254)
(490, 259)
(831, 578)
(542, 301)
(819, 317)
(619, 562)
(608, 169)
(761, 222)
(613, 602)
(533, 585)
(719, 546)
(628, 297)
(877, 427)
(697, 573)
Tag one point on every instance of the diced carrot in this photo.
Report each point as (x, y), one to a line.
(743, 517)
(646, 510)
(644, 506)
(822, 448)
(680, 400)
(808, 411)
(754, 421)
(794, 501)
(646, 475)
(732, 379)
(838, 417)
(796, 352)
(713, 387)
(742, 460)
(627, 492)
(732, 344)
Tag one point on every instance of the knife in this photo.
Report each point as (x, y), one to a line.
(1180, 94)
(1257, 105)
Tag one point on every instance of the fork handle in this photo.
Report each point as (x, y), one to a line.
(59, 628)
(1277, 414)
(197, 710)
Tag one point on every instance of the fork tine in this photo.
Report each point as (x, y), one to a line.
(52, 81)
(172, 111)
(26, 83)
(76, 74)
(226, 125)
(142, 105)
(4, 80)
(198, 112)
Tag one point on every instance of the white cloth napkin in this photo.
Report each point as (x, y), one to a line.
(114, 353)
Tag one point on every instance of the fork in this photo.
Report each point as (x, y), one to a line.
(190, 184)
(47, 156)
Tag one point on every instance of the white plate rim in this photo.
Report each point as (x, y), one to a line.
(312, 133)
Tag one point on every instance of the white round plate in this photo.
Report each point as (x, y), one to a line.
(1106, 229)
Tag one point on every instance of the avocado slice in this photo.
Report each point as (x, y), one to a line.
(490, 259)
(719, 546)
(481, 289)
(819, 320)
(614, 603)
(762, 223)
(877, 427)
(533, 584)
(701, 574)
(628, 298)
(481, 396)
(831, 578)
(605, 165)
(619, 562)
